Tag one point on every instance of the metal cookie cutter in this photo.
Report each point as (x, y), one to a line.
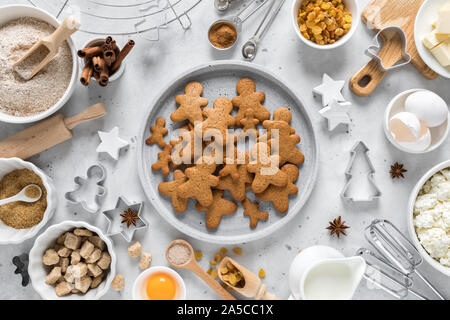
(382, 36)
(346, 193)
(95, 173)
(117, 223)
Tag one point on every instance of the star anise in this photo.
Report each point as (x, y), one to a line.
(337, 227)
(397, 171)
(130, 217)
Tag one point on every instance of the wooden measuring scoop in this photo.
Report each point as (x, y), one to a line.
(253, 287)
(43, 51)
(390, 43)
(193, 266)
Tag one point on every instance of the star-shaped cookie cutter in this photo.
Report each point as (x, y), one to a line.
(80, 181)
(373, 50)
(370, 176)
(115, 225)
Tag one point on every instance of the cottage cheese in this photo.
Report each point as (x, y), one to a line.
(432, 216)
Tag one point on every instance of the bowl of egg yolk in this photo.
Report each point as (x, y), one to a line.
(159, 283)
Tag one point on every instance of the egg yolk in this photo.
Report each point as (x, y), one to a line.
(161, 286)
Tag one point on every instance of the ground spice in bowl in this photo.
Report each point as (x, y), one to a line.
(222, 35)
(179, 254)
(21, 215)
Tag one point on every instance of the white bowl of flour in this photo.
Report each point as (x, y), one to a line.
(29, 101)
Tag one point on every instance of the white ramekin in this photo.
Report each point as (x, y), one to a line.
(9, 235)
(351, 5)
(410, 218)
(139, 289)
(38, 272)
(438, 134)
(9, 13)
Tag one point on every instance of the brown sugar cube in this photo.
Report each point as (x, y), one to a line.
(75, 272)
(118, 282)
(86, 249)
(104, 261)
(50, 257)
(53, 276)
(64, 252)
(83, 284)
(135, 250)
(146, 259)
(63, 289)
(95, 255)
(75, 257)
(96, 281)
(94, 270)
(97, 242)
(64, 263)
(72, 241)
(81, 232)
(61, 238)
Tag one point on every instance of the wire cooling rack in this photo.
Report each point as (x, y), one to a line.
(123, 17)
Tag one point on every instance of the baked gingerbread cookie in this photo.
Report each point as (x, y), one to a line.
(158, 132)
(248, 98)
(190, 104)
(249, 121)
(218, 119)
(164, 160)
(279, 196)
(251, 210)
(170, 189)
(200, 181)
(237, 187)
(219, 208)
(266, 168)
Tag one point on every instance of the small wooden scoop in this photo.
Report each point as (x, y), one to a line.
(253, 287)
(48, 44)
(192, 265)
(47, 133)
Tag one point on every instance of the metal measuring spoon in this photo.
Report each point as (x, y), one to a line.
(21, 196)
(222, 5)
(250, 48)
(236, 22)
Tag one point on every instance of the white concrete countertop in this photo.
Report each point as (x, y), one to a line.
(153, 64)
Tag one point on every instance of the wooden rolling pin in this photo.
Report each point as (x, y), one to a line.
(47, 133)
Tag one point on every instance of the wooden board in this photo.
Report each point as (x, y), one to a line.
(379, 14)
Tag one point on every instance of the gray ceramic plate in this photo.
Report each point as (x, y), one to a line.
(219, 79)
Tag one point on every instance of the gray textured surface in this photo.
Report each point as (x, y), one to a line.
(152, 65)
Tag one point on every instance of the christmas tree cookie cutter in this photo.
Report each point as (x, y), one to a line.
(96, 175)
(375, 192)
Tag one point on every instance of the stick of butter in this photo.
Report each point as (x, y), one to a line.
(442, 53)
(443, 20)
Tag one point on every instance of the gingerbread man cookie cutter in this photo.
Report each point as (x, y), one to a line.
(95, 172)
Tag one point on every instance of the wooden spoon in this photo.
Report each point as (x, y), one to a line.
(253, 287)
(192, 265)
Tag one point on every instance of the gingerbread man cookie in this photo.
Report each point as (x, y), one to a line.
(158, 132)
(170, 189)
(279, 196)
(249, 99)
(237, 187)
(200, 181)
(164, 160)
(266, 168)
(217, 119)
(190, 104)
(249, 121)
(251, 210)
(217, 209)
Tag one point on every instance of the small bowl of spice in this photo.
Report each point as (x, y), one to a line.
(19, 220)
(325, 24)
(223, 34)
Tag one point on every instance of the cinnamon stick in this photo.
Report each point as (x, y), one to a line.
(87, 53)
(122, 55)
(104, 76)
(87, 73)
(108, 54)
(98, 63)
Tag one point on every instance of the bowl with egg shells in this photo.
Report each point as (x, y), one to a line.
(13, 12)
(350, 5)
(431, 222)
(39, 272)
(9, 234)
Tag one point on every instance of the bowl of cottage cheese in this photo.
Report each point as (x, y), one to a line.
(429, 217)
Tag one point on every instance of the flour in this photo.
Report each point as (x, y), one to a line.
(25, 98)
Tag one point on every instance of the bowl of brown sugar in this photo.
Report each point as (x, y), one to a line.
(25, 101)
(20, 221)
